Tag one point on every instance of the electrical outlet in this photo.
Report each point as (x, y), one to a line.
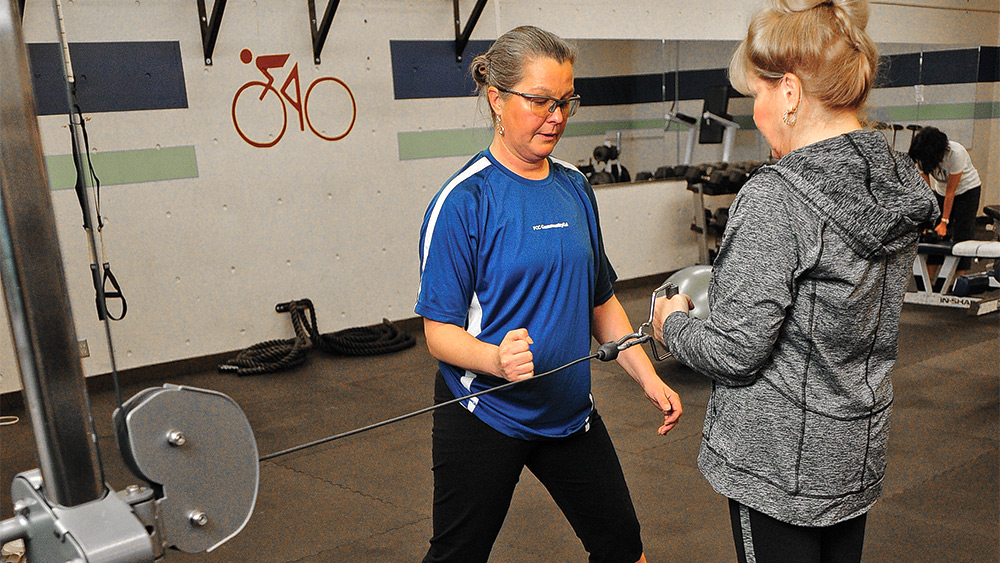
(84, 349)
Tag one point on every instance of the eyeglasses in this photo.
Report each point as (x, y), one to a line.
(544, 105)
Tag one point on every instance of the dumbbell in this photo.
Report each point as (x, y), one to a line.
(736, 177)
(601, 178)
(620, 173)
(721, 218)
(694, 174)
(605, 153)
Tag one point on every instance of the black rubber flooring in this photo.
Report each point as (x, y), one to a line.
(367, 497)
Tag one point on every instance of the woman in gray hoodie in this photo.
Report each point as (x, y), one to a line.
(805, 294)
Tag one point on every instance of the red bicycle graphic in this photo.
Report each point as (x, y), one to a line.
(256, 120)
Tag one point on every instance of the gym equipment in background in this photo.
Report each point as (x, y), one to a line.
(689, 123)
(717, 126)
(714, 179)
(608, 169)
(679, 170)
(978, 293)
(883, 126)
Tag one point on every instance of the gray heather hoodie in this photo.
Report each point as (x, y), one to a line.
(805, 300)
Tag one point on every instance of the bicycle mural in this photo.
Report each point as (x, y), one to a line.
(256, 119)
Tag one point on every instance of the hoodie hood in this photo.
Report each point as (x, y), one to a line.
(873, 196)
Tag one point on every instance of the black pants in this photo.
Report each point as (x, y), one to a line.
(961, 222)
(762, 539)
(476, 469)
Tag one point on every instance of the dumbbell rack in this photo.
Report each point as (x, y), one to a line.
(700, 184)
(711, 180)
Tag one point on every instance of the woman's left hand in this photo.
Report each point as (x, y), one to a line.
(665, 399)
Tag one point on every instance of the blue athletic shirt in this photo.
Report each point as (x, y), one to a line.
(500, 252)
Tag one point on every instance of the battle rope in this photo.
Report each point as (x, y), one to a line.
(277, 355)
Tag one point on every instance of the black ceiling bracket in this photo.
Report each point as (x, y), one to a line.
(210, 27)
(462, 35)
(320, 31)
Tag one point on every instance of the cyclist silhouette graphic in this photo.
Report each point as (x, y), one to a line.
(264, 64)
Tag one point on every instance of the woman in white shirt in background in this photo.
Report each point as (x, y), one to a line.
(947, 168)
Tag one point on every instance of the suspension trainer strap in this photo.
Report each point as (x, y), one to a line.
(109, 277)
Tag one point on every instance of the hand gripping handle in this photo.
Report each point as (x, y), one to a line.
(667, 290)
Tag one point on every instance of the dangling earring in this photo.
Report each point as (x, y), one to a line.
(789, 117)
(499, 126)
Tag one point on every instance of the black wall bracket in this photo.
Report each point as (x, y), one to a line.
(320, 31)
(462, 35)
(210, 27)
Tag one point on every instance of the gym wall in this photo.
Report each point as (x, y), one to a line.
(207, 232)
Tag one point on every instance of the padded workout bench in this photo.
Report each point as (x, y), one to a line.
(945, 294)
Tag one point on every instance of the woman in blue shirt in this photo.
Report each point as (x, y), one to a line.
(514, 281)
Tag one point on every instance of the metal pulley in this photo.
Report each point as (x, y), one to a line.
(197, 450)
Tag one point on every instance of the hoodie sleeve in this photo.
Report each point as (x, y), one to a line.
(753, 284)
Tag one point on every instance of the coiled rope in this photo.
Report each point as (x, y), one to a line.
(278, 355)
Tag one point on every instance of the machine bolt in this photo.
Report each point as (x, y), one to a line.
(198, 518)
(23, 506)
(176, 438)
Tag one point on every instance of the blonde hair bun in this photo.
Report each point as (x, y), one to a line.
(855, 11)
(823, 42)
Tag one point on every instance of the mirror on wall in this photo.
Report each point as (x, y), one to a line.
(634, 90)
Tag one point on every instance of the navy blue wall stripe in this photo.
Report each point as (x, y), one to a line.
(950, 67)
(427, 69)
(896, 71)
(635, 88)
(118, 76)
(647, 88)
(989, 64)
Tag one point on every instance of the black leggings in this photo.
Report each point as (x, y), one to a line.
(476, 469)
(762, 539)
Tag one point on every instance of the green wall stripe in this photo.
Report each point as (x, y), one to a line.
(127, 167)
(466, 142)
(444, 142)
(987, 110)
(584, 129)
(966, 110)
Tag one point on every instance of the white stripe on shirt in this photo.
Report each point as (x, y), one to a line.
(472, 169)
